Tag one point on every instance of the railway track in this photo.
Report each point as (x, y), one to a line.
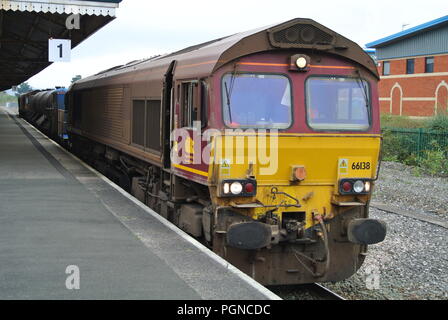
(409, 213)
(314, 291)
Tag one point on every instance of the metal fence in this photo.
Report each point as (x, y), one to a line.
(416, 141)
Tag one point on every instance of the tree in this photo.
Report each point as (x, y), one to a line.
(23, 88)
(76, 78)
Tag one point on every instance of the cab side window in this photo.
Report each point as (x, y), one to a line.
(189, 103)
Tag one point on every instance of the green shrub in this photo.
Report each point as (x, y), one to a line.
(397, 147)
(425, 149)
(435, 161)
(439, 122)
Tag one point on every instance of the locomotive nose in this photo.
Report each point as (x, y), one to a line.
(366, 231)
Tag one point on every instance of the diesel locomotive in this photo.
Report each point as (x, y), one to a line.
(264, 144)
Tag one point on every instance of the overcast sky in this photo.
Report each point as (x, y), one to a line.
(146, 28)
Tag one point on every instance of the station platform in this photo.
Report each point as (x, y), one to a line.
(56, 212)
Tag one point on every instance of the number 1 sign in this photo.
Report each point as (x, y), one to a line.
(59, 50)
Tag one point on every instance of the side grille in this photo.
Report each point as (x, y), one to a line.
(153, 125)
(102, 112)
(138, 122)
(146, 124)
(114, 112)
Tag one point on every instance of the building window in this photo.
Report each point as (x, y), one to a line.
(429, 65)
(410, 66)
(386, 68)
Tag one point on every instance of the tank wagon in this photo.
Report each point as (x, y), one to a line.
(264, 144)
(45, 109)
(24, 103)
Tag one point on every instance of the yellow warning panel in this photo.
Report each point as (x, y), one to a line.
(225, 167)
(343, 166)
(355, 167)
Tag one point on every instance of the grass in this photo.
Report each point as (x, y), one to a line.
(439, 122)
(391, 121)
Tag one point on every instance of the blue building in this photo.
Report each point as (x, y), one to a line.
(414, 70)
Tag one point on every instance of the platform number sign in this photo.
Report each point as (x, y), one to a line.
(59, 50)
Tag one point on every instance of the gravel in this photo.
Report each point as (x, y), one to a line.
(411, 263)
(398, 186)
(294, 293)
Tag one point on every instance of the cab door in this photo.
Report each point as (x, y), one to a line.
(189, 121)
(167, 114)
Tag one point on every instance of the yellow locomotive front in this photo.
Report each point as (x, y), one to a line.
(293, 166)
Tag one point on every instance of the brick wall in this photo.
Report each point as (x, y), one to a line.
(418, 94)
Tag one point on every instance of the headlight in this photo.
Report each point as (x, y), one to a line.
(301, 63)
(358, 187)
(355, 186)
(236, 188)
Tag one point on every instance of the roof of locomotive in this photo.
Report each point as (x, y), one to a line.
(203, 59)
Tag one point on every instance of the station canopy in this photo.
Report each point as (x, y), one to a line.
(26, 27)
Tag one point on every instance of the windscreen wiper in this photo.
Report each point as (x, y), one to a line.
(228, 101)
(359, 80)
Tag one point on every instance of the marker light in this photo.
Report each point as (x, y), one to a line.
(367, 186)
(347, 186)
(358, 187)
(226, 188)
(301, 63)
(249, 188)
(236, 188)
